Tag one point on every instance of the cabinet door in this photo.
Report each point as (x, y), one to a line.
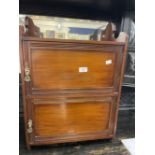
(56, 120)
(53, 67)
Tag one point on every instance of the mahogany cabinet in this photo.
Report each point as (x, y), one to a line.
(71, 89)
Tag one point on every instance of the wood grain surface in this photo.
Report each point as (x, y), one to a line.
(55, 69)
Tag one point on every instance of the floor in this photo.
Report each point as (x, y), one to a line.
(126, 127)
(130, 145)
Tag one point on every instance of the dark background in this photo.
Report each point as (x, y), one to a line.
(85, 9)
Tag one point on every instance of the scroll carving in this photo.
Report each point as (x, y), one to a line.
(107, 34)
(31, 29)
(104, 35)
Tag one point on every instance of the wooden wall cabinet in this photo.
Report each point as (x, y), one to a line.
(71, 89)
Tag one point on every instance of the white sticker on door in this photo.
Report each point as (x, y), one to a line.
(108, 62)
(83, 69)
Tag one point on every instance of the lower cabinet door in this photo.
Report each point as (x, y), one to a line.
(71, 120)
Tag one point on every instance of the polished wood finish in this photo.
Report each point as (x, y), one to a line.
(65, 69)
(76, 117)
(64, 102)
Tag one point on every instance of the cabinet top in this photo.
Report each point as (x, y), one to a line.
(121, 40)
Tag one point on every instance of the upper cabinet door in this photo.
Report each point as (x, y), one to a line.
(68, 66)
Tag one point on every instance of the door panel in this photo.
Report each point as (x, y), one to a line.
(72, 118)
(59, 69)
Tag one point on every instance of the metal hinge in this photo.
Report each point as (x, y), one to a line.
(27, 74)
(29, 125)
